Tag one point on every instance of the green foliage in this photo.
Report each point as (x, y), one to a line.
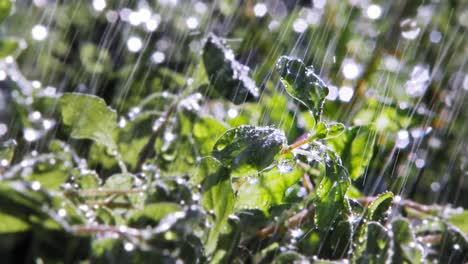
(188, 150)
(303, 84)
(88, 117)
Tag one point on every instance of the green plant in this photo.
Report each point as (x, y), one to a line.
(156, 171)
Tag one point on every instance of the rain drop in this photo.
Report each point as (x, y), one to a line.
(39, 32)
(409, 29)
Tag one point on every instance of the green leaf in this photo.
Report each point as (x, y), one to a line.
(321, 131)
(248, 149)
(8, 47)
(205, 132)
(266, 190)
(228, 77)
(7, 150)
(5, 9)
(120, 181)
(89, 117)
(217, 197)
(355, 147)
(460, 221)
(375, 247)
(406, 248)
(379, 207)
(152, 214)
(330, 201)
(302, 84)
(11, 224)
(335, 130)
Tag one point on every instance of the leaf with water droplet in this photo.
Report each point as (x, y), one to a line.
(218, 196)
(373, 244)
(303, 84)
(321, 130)
(335, 130)
(152, 214)
(268, 189)
(89, 117)
(405, 245)
(7, 150)
(355, 147)
(205, 132)
(379, 207)
(227, 76)
(120, 181)
(330, 201)
(248, 149)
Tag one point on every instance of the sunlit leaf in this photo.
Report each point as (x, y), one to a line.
(355, 147)
(218, 196)
(267, 189)
(246, 149)
(331, 203)
(89, 117)
(379, 207)
(302, 84)
(228, 77)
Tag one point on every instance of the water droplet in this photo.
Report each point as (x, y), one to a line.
(350, 69)
(345, 93)
(99, 5)
(260, 9)
(158, 57)
(402, 140)
(192, 22)
(300, 25)
(31, 134)
(232, 113)
(435, 36)
(129, 246)
(456, 247)
(374, 11)
(3, 129)
(409, 29)
(133, 113)
(3, 75)
(419, 80)
(332, 93)
(285, 166)
(39, 32)
(435, 187)
(35, 185)
(62, 212)
(397, 198)
(420, 163)
(134, 44)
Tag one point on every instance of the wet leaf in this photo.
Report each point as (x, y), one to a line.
(406, 248)
(248, 149)
(7, 150)
(375, 246)
(89, 117)
(302, 84)
(152, 214)
(120, 181)
(266, 189)
(379, 207)
(218, 197)
(460, 221)
(321, 130)
(355, 147)
(205, 132)
(227, 76)
(330, 201)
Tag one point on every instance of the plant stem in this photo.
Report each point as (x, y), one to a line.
(301, 141)
(148, 149)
